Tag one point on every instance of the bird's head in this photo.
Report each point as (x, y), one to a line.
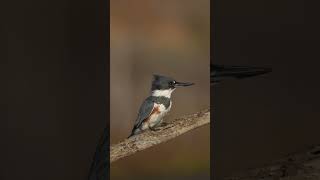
(164, 86)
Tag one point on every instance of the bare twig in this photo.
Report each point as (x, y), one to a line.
(148, 139)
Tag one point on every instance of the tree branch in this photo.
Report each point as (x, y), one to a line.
(304, 165)
(169, 131)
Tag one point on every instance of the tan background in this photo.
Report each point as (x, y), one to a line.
(172, 38)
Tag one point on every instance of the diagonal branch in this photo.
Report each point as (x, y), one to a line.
(169, 131)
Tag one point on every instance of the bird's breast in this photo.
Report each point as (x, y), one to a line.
(163, 109)
(158, 114)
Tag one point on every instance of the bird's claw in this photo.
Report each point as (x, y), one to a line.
(163, 124)
(154, 129)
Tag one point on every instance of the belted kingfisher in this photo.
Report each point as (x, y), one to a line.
(220, 72)
(157, 105)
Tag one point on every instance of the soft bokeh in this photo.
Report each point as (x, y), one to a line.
(170, 37)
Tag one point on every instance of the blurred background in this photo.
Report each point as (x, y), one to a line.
(172, 38)
(262, 119)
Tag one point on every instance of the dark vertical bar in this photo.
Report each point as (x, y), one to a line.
(212, 46)
(58, 81)
(100, 166)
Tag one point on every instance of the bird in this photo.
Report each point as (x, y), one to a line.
(219, 73)
(161, 93)
(156, 106)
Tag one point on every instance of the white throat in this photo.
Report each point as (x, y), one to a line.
(164, 92)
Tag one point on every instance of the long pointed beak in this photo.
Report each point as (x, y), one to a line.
(183, 84)
(218, 73)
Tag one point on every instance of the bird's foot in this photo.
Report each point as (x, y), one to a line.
(154, 129)
(163, 124)
(167, 126)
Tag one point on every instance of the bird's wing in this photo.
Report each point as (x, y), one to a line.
(145, 111)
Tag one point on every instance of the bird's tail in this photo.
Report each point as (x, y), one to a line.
(132, 134)
(134, 131)
(218, 72)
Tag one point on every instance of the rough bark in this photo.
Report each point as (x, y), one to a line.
(169, 131)
(303, 165)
